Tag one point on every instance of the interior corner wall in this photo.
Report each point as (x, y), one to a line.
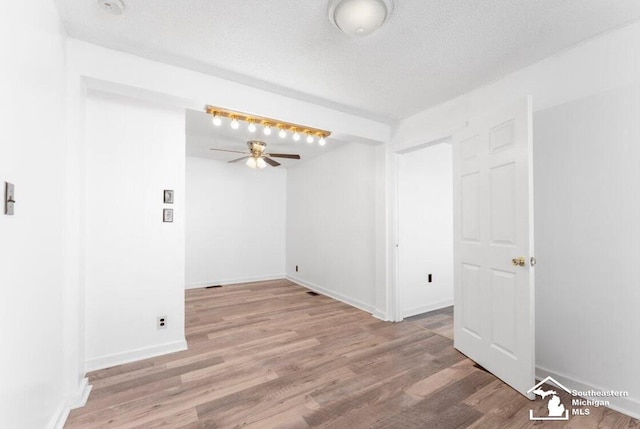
(425, 229)
(134, 261)
(587, 207)
(331, 224)
(235, 223)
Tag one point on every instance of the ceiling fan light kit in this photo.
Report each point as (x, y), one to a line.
(256, 163)
(359, 18)
(257, 157)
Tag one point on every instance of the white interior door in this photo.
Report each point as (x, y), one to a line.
(493, 233)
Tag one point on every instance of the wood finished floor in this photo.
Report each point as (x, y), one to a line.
(268, 355)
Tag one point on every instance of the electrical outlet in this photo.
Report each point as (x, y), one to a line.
(162, 322)
(296, 268)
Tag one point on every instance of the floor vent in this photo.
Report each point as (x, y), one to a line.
(313, 293)
(211, 287)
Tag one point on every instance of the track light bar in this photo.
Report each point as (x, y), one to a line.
(218, 112)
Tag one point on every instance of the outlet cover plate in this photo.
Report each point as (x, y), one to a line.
(162, 322)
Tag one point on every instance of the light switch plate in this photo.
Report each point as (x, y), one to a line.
(9, 198)
(167, 215)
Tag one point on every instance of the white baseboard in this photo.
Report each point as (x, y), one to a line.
(75, 400)
(234, 281)
(628, 406)
(378, 314)
(60, 417)
(335, 295)
(134, 355)
(80, 398)
(426, 308)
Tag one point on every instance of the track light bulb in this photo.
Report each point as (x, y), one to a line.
(269, 126)
(260, 163)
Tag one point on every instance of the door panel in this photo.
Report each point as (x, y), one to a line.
(471, 204)
(493, 211)
(503, 312)
(502, 136)
(503, 211)
(470, 295)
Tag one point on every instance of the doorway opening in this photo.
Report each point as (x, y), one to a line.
(425, 231)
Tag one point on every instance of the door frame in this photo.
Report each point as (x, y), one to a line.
(394, 153)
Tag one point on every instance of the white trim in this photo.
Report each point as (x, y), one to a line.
(134, 355)
(394, 241)
(393, 204)
(378, 314)
(196, 285)
(80, 398)
(60, 417)
(335, 295)
(73, 401)
(628, 406)
(427, 308)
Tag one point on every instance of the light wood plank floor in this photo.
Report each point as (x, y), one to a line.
(268, 355)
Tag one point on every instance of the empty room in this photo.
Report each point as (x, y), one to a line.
(343, 214)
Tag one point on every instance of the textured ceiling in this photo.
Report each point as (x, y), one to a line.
(428, 51)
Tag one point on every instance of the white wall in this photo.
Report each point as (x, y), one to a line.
(235, 223)
(134, 261)
(604, 68)
(331, 224)
(33, 379)
(112, 71)
(587, 200)
(425, 226)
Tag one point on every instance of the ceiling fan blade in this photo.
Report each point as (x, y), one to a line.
(232, 151)
(283, 155)
(239, 159)
(271, 162)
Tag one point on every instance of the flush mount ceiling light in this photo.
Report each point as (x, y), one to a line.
(359, 17)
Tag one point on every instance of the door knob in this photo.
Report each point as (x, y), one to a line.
(518, 262)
